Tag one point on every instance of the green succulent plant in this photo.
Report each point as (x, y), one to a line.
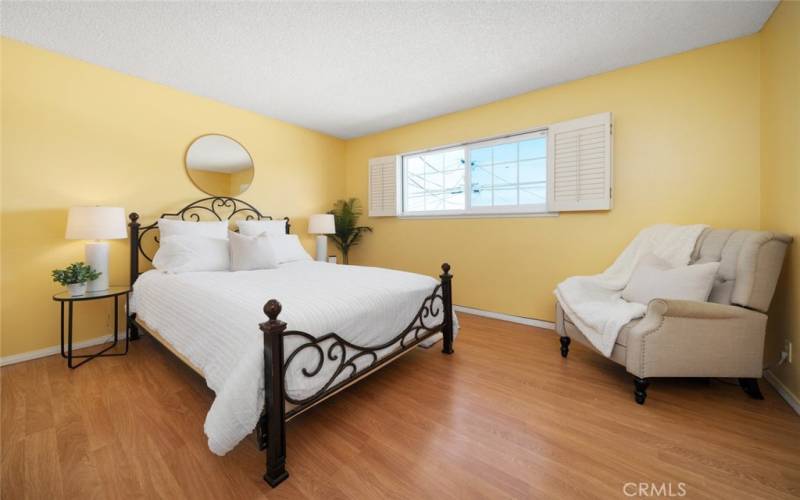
(348, 233)
(75, 273)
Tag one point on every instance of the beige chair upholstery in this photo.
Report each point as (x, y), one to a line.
(723, 337)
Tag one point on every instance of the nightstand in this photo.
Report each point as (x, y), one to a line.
(64, 298)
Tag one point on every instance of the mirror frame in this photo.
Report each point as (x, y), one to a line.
(186, 164)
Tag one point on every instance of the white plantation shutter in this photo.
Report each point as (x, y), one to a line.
(383, 185)
(579, 164)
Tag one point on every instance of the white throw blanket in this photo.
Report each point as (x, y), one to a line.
(595, 304)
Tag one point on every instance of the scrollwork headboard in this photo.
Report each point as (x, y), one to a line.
(220, 207)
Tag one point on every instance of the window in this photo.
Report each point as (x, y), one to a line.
(434, 181)
(506, 175)
(566, 166)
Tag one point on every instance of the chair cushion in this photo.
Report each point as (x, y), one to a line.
(653, 278)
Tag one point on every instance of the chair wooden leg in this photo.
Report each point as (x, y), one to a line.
(565, 346)
(640, 389)
(750, 387)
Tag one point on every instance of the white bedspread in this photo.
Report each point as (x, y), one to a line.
(212, 318)
(595, 303)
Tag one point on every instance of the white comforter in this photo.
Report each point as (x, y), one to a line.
(595, 303)
(212, 318)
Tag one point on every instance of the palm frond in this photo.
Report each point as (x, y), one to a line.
(348, 233)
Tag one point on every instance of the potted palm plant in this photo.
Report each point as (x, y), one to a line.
(75, 277)
(348, 233)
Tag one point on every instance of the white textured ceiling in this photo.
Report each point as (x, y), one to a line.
(349, 69)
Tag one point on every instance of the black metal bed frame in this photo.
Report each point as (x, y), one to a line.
(343, 355)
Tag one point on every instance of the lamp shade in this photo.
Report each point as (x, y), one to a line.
(96, 223)
(321, 224)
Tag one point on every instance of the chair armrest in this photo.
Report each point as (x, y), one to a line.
(681, 338)
(694, 309)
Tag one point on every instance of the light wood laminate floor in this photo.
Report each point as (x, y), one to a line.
(505, 416)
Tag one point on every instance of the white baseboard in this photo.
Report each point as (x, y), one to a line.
(506, 317)
(49, 351)
(784, 391)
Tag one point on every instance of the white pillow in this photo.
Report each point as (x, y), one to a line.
(654, 279)
(251, 252)
(258, 227)
(170, 227)
(287, 248)
(187, 252)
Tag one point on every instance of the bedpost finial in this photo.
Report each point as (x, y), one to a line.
(446, 268)
(134, 217)
(272, 309)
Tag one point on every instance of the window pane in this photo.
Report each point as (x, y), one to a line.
(481, 156)
(481, 186)
(434, 181)
(414, 187)
(433, 162)
(532, 171)
(414, 166)
(454, 188)
(504, 153)
(454, 181)
(454, 160)
(532, 195)
(416, 203)
(455, 201)
(434, 201)
(505, 196)
(505, 183)
(533, 148)
(532, 182)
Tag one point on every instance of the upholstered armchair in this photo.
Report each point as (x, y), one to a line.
(723, 337)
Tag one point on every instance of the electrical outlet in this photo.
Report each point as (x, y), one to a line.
(787, 348)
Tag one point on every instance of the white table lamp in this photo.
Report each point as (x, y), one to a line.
(322, 225)
(97, 223)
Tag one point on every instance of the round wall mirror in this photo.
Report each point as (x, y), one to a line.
(219, 166)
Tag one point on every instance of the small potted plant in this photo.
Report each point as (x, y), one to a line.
(74, 277)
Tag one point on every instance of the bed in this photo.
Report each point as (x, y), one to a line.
(333, 326)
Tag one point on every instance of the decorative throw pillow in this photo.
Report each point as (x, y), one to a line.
(171, 227)
(251, 252)
(287, 248)
(653, 278)
(187, 252)
(257, 227)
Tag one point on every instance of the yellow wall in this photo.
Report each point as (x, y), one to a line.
(77, 134)
(686, 150)
(780, 173)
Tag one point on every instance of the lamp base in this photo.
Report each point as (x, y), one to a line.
(322, 248)
(97, 257)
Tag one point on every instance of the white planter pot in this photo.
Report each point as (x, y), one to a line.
(76, 289)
